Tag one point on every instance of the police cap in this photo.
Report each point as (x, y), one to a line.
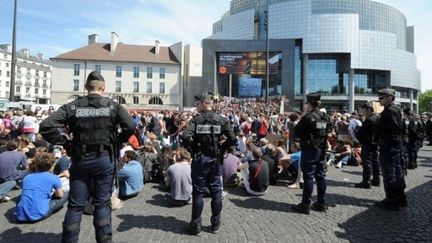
(313, 97)
(386, 92)
(94, 76)
(206, 96)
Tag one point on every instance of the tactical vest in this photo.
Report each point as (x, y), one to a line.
(317, 138)
(405, 129)
(92, 126)
(208, 129)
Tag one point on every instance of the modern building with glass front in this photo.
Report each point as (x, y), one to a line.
(344, 49)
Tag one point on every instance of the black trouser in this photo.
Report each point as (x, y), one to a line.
(371, 167)
(412, 153)
(393, 175)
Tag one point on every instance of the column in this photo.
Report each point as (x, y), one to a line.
(411, 97)
(351, 91)
(305, 61)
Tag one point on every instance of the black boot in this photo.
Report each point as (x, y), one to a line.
(301, 208)
(320, 207)
(193, 228)
(363, 184)
(376, 182)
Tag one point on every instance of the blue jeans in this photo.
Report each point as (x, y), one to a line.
(54, 205)
(93, 173)
(206, 173)
(6, 187)
(312, 165)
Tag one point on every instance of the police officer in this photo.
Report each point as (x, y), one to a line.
(390, 126)
(367, 135)
(312, 131)
(92, 121)
(414, 136)
(207, 134)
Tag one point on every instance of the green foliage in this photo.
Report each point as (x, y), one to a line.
(425, 101)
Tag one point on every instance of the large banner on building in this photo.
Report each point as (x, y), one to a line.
(250, 87)
(253, 63)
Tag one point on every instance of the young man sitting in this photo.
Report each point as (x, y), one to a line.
(340, 154)
(255, 173)
(131, 178)
(37, 200)
(179, 179)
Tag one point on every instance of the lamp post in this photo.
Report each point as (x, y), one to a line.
(12, 80)
(266, 25)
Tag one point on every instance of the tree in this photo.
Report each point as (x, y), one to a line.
(425, 101)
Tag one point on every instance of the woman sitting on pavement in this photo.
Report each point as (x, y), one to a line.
(42, 193)
(341, 154)
(255, 172)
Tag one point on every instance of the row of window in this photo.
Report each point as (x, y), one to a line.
(135, 87)
(136, 71)
(7, 64)
(7, 73)
(36, 90)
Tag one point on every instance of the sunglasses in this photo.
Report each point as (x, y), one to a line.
(381, 97)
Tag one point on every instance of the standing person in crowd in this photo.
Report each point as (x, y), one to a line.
(368, 137)
(390, 149)
(429, 128)
(204, 135)
(36, 202)
(312, 131)
(354, 124)
(93, 121)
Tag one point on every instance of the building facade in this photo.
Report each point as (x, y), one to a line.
(32, 76)
(137, 76)
(344, 49)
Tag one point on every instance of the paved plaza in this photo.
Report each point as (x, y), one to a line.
(351, 216)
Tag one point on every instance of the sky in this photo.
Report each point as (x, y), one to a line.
(53, 27)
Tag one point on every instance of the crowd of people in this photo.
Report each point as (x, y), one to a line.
(267, 149)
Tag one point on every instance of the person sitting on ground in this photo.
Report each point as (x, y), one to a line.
(13, 164)
(150, 163)
(130, 176)
(295, 163)
(179, 179)
(61, 168)
(341, 154)
(37, 200)
(255, 173)
(271, 157)
(230, 166)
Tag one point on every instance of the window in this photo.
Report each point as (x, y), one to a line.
(44, 91)
(45, 74)
(7, 93)
(7, 73)
(162, 73)
(135, 87)
(28, 71)
(118, 71)
(162, 88)
(98, 68)
(7, 64)
(136, 72)
(76, 70)
(44, 83)
(136, 100)
(27, 90)
(149, 87)
(7, 83)
(36, 91)
(0, 72)
(36, 81)
(18, 89)
(76, 85)
(149, 72)
(37, 72)
(118, 86)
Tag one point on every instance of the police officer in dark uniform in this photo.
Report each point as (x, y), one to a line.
(207, 135)
(367, 135)
(390, 126)
(312, 131)
(414, 136)
(93, 122)
(405, 141)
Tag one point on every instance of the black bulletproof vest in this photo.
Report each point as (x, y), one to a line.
(93, 122)
(208, 129)
(318, 136)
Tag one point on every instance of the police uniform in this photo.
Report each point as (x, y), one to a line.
(367, 135)
(414, 136)
(312, 131)
(390, 126)
(203, 134)
(93, 121)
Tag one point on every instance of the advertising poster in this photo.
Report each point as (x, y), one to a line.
(253, 63)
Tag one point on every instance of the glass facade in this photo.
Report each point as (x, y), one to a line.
(368, 82)
(298, 85)
(328, 75)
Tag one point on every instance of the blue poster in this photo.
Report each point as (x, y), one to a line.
(250, 87)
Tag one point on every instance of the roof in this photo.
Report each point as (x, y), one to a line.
(123, 53)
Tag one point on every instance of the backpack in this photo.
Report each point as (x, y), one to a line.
(262, 129)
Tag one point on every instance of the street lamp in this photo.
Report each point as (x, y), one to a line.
(266, 25)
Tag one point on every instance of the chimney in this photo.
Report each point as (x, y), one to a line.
(93, 38)
(6, 47)
(40, 56)
(114, 41)
(157, 47)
